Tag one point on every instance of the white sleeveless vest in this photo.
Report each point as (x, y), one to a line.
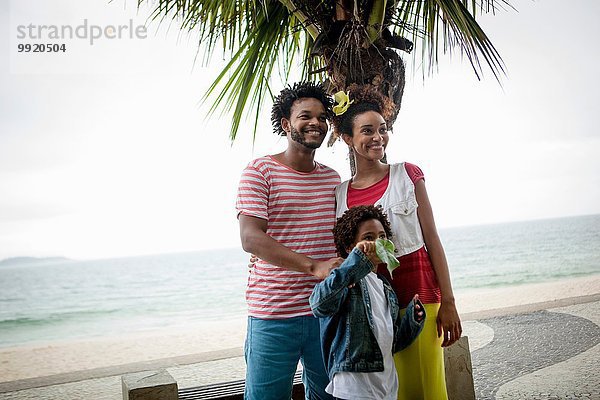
(399, 203)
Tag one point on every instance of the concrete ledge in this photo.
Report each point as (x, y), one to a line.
(459, 371)
(120, 369)
(149, 385)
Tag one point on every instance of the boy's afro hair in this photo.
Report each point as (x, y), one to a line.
(282, 105)
(346, 227)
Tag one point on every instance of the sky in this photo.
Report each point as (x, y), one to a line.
(106, 150)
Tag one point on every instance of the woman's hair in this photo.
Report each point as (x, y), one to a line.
(282, 105)
(346, 227)
(365, 98)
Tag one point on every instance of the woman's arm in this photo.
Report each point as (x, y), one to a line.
(448, 321)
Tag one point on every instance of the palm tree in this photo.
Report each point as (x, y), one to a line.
(339, 42)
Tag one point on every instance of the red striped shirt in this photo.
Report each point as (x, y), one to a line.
(300, 211)
(416, 273)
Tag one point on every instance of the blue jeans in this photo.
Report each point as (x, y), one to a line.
(273, 349)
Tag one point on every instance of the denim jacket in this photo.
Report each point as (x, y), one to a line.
(347, 338)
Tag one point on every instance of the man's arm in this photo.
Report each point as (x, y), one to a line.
(255, 240)
(327, 296)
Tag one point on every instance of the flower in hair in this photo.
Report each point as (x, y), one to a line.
(343, 102)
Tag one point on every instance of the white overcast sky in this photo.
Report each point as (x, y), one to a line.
(105, 151)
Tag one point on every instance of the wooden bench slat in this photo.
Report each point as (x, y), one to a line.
(233, 390)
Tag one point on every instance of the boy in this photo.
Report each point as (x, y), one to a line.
(361, 326)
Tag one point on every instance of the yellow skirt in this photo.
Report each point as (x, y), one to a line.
(420, 366)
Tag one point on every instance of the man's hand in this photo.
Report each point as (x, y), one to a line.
(368, 247)
(321, 269)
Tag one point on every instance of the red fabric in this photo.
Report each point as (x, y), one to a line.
(415, 275)
(368, 195)
(414, 173)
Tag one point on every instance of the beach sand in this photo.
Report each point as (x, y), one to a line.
(58, 357)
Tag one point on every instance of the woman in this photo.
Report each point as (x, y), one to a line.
(400, 190)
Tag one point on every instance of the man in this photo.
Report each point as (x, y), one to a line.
(286, 212)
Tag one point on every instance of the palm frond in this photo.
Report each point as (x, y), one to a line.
(450, 24)
(243, 83)
(260, 37)
(376, 20)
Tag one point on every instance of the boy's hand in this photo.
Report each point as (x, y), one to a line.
(368, 247)
(418, 308)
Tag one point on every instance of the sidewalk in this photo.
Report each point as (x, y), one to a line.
(546, 350)
(545, 354)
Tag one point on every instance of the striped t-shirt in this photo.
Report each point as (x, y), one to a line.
(300, 211)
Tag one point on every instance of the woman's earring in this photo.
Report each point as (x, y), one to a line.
(351, 161)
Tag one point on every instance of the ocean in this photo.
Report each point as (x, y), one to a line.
(63, 299)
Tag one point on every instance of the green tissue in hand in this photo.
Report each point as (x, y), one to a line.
(385, 251)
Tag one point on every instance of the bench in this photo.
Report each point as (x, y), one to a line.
(160, 385)
(232, 390)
